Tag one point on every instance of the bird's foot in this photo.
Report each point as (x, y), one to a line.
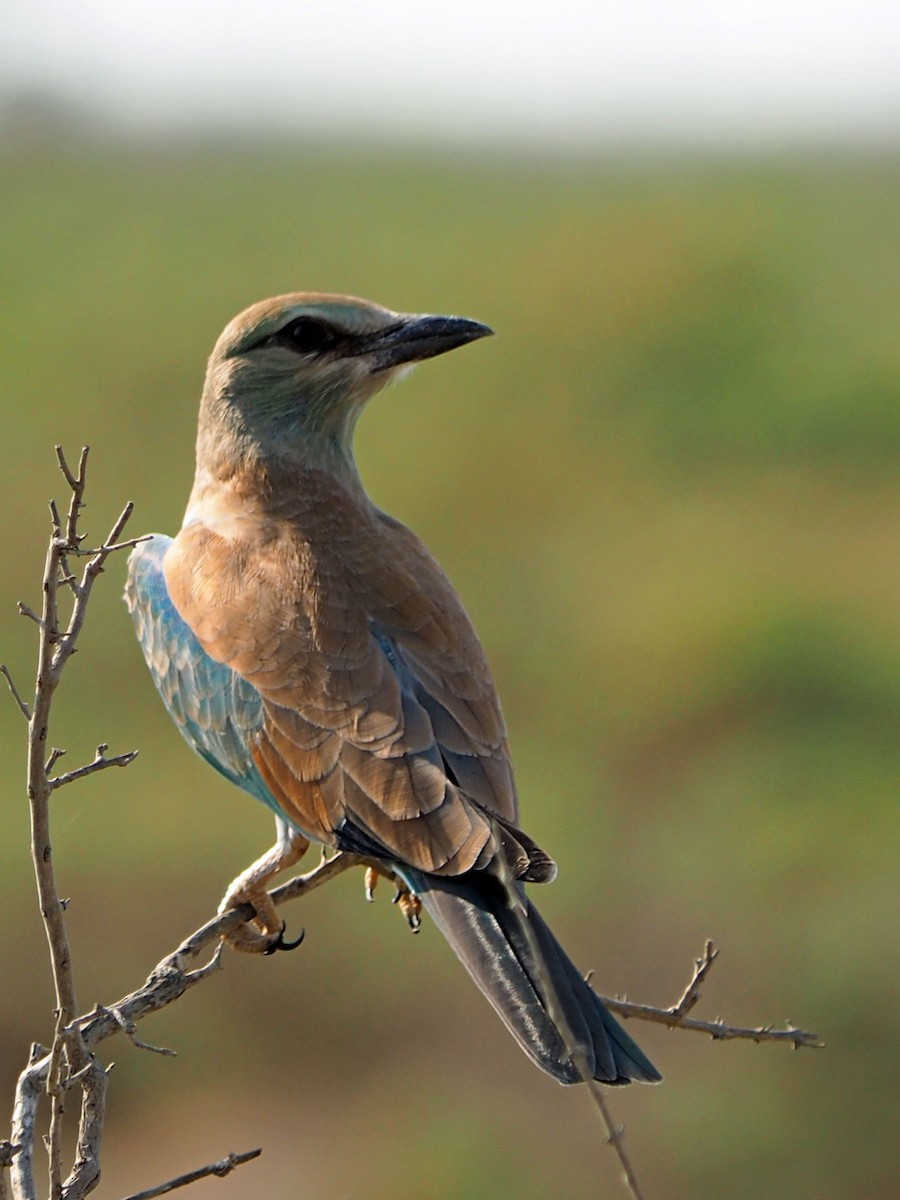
(410, 905)
(408, 902)
(263, 933)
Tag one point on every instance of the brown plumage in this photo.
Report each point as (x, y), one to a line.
(291, 605)
(353, 693)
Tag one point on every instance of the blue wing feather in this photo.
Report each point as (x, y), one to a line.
(216, 709)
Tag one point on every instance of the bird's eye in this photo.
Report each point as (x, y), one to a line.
(306, 335)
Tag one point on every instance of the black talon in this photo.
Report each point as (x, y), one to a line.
(281, 944)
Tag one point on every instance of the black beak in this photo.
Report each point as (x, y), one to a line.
(421, 337)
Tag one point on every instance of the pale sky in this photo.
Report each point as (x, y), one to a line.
(563, 70)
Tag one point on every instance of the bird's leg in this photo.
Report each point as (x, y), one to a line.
(410, 905)
(372, 877)
(264, 932)
(408, 902)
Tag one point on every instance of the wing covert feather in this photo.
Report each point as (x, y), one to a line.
(377, 707)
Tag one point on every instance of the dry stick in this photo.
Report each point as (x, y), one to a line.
(168, 981)
(25, 710)
(676, 1017)
(28, 1094)
(8, 1151)
(50, 664)
(171, 977)
(221, 1168)
(69, 1060)
(717, 1030)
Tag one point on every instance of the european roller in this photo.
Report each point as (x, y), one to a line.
(311, 649)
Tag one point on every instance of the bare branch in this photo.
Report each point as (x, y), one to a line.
(67, 575)
(69, 1063)
(172, 977)
(111, 542)
(55, 755)
(676, 1017)
(93, 1080)
(129, 1028)
(221, 1168)
(717, 1030)
(25, 611)
(29, 1090)
(55, 518)
(691, 993)
(7, 1153)
(25, 710)
(76, 502)
(76, 483)
(110, 547)
(99, 763)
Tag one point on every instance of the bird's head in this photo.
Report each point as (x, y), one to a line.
(292, 374)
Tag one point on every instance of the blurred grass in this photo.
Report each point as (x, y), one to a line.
(666, 492)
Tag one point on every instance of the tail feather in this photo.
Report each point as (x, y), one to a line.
(486, 932)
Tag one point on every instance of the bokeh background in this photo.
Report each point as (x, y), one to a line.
(667, 491)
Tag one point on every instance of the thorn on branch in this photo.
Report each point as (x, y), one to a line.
(55, 755)
(14, 691)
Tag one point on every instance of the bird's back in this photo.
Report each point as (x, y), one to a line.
(380, 704)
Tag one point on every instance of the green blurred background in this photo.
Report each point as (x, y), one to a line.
(667, 492)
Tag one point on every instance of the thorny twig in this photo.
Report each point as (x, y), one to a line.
(69, 1064)
(676, 1017)
(221, 1168)
(99, 763)
(69, 1059)
(167, 982)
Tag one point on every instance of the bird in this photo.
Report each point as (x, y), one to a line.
(311, 649)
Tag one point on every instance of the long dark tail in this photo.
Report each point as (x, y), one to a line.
(486, 932)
